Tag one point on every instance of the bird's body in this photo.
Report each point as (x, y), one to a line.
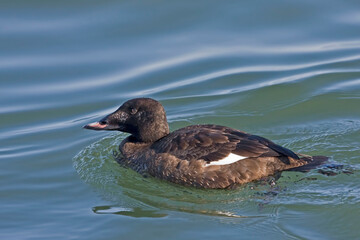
(205, 156)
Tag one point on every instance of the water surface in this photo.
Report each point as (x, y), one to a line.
(288, 71)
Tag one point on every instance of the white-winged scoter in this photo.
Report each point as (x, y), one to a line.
(205, 156)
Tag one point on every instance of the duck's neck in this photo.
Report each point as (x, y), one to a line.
(129, 146)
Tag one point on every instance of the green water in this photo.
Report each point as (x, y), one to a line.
(285, 70)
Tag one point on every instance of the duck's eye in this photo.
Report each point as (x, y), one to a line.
(133, 110)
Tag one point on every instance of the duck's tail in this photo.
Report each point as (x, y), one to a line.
(312, 162)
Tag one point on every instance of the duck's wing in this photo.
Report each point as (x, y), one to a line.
(219, 145)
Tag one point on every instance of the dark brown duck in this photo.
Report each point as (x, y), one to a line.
(206, 156)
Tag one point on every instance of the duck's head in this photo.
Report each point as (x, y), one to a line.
(144, 118)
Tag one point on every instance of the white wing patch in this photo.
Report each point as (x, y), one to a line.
(231, 158)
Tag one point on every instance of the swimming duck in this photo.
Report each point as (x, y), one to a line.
(203, 156)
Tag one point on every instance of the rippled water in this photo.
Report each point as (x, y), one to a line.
(288, 71)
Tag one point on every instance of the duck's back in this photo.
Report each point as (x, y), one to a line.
(213, 143)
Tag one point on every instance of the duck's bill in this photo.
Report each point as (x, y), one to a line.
(95, 126)
(99, 126)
